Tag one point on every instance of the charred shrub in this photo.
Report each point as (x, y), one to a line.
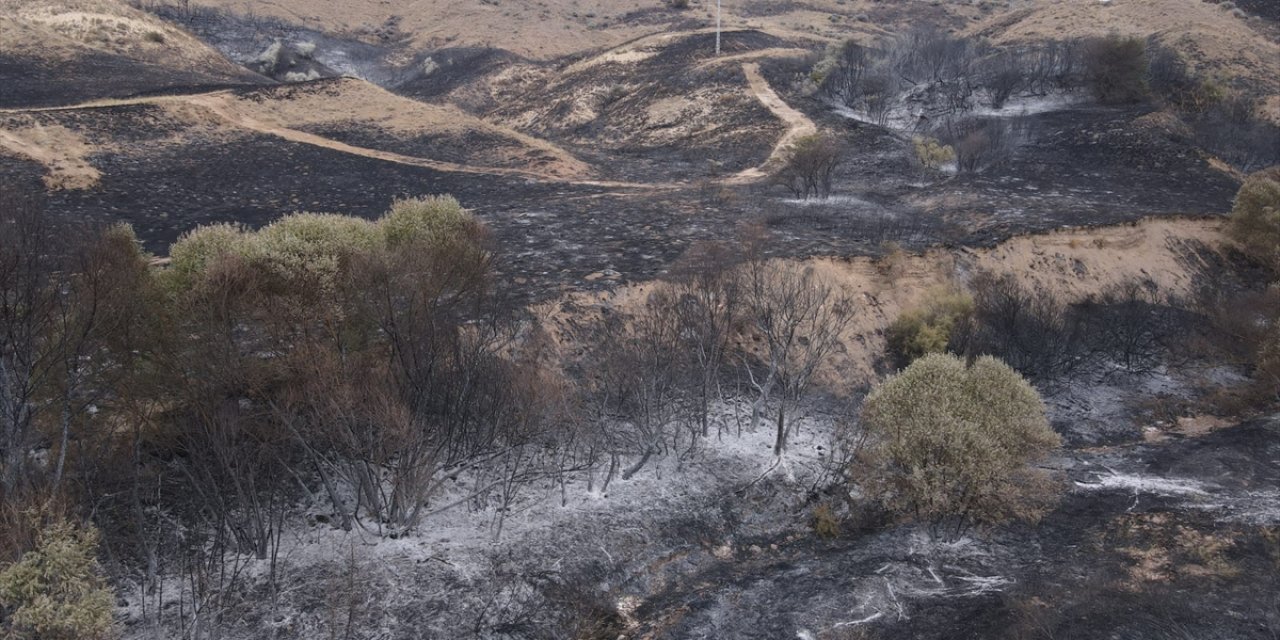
(978, 143)
(808, 166)
(1133, 324)
(1231, 129)
(1032, 331)
(1116, 69)
(1172, 80)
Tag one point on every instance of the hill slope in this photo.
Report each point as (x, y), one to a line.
(67, 51)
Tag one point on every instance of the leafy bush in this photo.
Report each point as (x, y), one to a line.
(929, 327)
(431, 219)
(311, 249)
(56, 591)
(954, 443)
(198, 248)
(1255, 217)
(1116, 69)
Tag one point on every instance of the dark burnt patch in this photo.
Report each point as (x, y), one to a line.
(436, 73)
(1104, 563)
(32, 82)
(174, 189)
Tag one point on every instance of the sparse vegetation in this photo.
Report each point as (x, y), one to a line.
(932, 154)
(637, 377)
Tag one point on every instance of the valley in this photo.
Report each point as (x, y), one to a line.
(547, 319)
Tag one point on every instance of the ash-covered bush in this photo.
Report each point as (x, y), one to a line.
(1255, 217)
(56, 591)
(955, 444)
(1116, 69)
(929, 327)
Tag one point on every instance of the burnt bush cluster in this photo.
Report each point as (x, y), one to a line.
(191, 408)
(1131, 326)
(933, 83)
(344, 370)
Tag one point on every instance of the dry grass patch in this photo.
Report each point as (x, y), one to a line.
(63, 152)
(62, 30)
(1160, 550)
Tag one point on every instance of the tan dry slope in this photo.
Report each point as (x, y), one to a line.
(61, 31)
(550, 29)
(1214, 39)
(223, 113)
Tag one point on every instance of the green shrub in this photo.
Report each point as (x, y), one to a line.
(56, 591)
(953, 443)
(929, 327)
(306, 252)
(430, 220)
(198, 248)
(1255, 217)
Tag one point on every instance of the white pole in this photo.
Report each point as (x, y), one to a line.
(717, 27)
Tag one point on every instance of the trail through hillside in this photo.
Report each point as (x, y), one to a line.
(798, 124)
(220, 104)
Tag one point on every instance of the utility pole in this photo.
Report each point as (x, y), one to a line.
(717, 27)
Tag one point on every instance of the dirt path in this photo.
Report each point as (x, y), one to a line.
(798, 124)
(774, 52)
(221, 104)
(225, 110)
